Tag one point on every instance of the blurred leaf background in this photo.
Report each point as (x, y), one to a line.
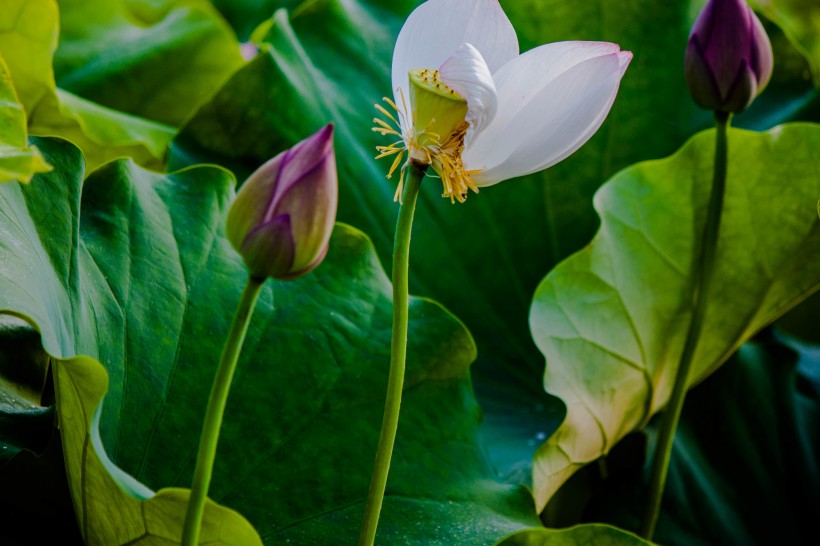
(129, 78)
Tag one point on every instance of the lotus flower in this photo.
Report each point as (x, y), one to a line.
(729, 56)
(283, 215)
(466, 103)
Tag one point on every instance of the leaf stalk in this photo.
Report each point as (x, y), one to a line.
(215, 411)
(701, 281)
(398, 355)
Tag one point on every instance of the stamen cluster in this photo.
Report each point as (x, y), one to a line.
(425, 147)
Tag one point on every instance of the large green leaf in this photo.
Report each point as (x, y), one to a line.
(131, 269)
(611, 320)
(330, 59)
(157, 60)
(18, 161)
(581, 535)
(744, 467)
(112, 507)
(801, 19)
(245, 15)
(28, 37)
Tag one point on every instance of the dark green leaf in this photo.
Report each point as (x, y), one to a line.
(135, 272)
(245, 15)
(744, 468)
(800, 19)
(582, 535)
(158, 63)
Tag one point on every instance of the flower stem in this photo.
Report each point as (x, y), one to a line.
(398, 354)
(701, 280)
(215, 411)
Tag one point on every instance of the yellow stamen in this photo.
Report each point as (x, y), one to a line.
(447, 162)
(426, 146)
(381, 109)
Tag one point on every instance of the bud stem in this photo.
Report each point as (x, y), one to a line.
(398, 355)
(701, 281)
(216, 408)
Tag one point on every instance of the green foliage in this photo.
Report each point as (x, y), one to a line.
(800, 19)
(130, 268)
(156, 60)
(330, 59)
(28, 37)
(599, 535)
(245, 15)
(612, 319)
(747, 448)
(744, 469)
(111, 507)
(17, 160)
(129, 280)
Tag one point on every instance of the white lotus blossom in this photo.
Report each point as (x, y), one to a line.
(477, 111)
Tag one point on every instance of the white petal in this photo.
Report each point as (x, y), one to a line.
(437, 28)
(523, 78)
(552, 124)
(468, 75)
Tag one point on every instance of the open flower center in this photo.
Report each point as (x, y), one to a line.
(435, 135)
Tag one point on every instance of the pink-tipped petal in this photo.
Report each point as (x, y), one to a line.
(300, 159)
(311, 203)
(282, 217)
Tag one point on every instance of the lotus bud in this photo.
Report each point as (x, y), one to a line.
(728, 58)
(281, 220)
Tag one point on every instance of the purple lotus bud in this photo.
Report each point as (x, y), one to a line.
(281, 220)
(729, 56)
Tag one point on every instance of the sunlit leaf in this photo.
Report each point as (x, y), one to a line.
(611, 320)
(28, 37)
(18, 161)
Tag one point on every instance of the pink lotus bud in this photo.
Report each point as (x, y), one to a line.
(281, 220)
(729, 56)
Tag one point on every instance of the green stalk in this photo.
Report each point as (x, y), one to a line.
(398, 355)
(216, 408)
(702, 279)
